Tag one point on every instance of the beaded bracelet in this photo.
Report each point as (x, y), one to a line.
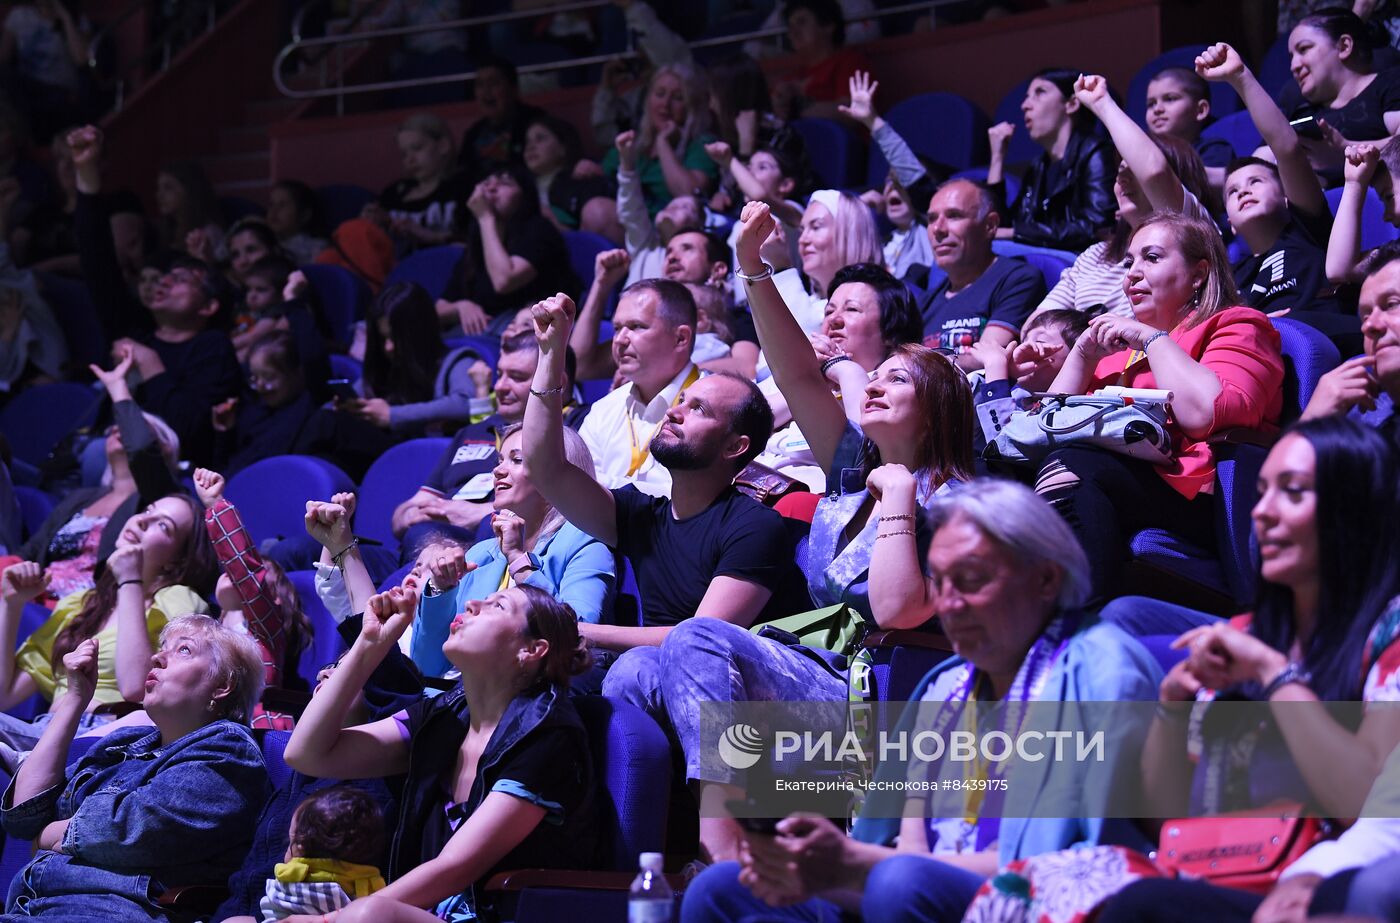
(894, 517)
(546, 392)
(895, 532)
(829, 364)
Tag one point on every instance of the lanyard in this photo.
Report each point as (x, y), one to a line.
(640, 452)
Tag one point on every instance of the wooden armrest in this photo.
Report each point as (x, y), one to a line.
(895, 637)
(521, 879)
(1243, 435)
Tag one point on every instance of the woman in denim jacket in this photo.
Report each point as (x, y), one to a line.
(498, 774)
(146, 809)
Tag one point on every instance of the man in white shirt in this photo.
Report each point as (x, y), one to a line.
(653, 332)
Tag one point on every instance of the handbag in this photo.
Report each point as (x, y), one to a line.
(837, 628)
(1116, 422)
(1248, 850)
(766, 485)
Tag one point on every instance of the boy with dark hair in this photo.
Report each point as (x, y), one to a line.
(1279, 211)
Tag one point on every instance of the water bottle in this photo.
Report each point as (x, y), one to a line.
(651, 899)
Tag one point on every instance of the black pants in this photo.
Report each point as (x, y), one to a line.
(1114, 498)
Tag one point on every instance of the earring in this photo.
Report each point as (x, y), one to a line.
(213, 706)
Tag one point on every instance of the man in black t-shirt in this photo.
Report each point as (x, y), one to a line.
(982, 297)
(708, 550)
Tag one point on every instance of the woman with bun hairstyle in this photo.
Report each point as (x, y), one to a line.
(498, 769)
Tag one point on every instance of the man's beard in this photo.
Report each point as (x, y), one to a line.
(676, 455)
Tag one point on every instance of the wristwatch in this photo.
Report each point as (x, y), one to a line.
(1293, 673)
(531, 562)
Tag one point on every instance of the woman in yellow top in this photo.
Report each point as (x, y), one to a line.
(162, 564)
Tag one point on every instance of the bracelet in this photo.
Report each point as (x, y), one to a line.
(546, 392)
(1293, 673)
(765, 273)
(829, 364)
(881, 535)
(895, 517)
(1174, 715)
(1152, 339)
(123, 583)
(337, 558)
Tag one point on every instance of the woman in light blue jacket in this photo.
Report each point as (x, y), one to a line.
(532, 545)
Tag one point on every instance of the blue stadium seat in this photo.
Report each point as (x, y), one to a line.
(1223, 100)
(1022, 150)
(393, 478)
(1375, 230)
(832, 149)
(1230, 574)
(944, 127)
(343, 366)
(1011, 183)
(34, 508)
(271, 494)
(1275, 70)
(632, 760)
(343, 295)
(584, 247)
(326, 645)
(431, 268)
(1051, 264)
(39, 417)
(1237, 128)
(342, 201)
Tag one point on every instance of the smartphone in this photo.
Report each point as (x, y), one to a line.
(738, 807)
(1306, 127)
(343, 389)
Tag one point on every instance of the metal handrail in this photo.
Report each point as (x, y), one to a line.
(162, 44)
(340, 91)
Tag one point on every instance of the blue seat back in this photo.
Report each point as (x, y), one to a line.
(944, 127)
(979, 174)
(34, 507)
(1237, 128)
(342, 201)
(1223, 100)
(39, 417)
(832, 150)
(1050, 263)
(326, 645)
(271, 494)
(431, 268)
(1307, 355)
(584, 247)
(393, 478)
(633, 761)
(344, 296)
(594, 389)
(1276, 69)
(347, 368)
(1375, 230)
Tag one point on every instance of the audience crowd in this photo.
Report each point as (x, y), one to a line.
(775, 426)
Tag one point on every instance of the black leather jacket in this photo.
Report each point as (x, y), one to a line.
(1068, 207)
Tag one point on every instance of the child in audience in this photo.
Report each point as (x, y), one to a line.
(271, 419)
(294, 215)
(337, 842)
(908, 182)
(1277, 209)
(1178, 104)
(420, 210)
(1345, 263)
(263, 284)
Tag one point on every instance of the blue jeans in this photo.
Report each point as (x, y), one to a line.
(1142, 616)
(1375, 891)
(711, 660)
(901, 889)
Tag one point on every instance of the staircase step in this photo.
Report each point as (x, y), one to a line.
(242, 140)
(224, 168)
(266, 111)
